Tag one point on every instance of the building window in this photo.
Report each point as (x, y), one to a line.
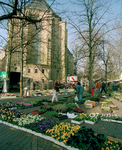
(42, 70)
(36, 70)
(29, 71)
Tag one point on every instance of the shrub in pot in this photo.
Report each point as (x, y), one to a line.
(70, 106)
(60, 108)
(41, 110)
(51, 113)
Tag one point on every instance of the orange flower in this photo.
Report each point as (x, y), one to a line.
(107, 148)
(102, 148)
(109, 142)
(117, 145)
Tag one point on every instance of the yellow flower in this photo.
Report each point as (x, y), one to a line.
(65, 141)
(72, 134)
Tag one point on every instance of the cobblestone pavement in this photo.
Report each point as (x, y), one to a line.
(13, 139)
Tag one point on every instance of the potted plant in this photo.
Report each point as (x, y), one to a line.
(92, 118)
(70, 106)
(60, 108)
(38, 112)
(95, 98)
(79, 118)
(60, 116)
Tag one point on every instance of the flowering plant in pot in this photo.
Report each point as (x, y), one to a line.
(105, 116)
(114, 145)
(85, 139)
(9, 115)
(8, 105)
(41, 126)
(63, 131)
(80, 117)
(30, 118)
(79, 110)
(92, 117)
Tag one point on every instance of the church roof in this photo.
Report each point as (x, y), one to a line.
(41, 5)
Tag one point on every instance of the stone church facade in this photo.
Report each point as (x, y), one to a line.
(46, 56)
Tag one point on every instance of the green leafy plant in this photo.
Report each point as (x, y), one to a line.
(44, 103)
(86, 95)
(41, 110)
(70, 106)
(33, 102)
(60, 108)
(95, 97)
(39, 100)
(51, 113)
(108, 100)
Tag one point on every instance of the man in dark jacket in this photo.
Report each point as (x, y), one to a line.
(103, 86)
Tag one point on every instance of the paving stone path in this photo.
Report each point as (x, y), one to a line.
(14, 139)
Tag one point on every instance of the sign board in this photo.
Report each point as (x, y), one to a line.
(3, 75)
(72, 78)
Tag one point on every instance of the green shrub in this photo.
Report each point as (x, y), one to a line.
(81, 101)
(33, 102)
(70, 106)
(44, 103)
(41, 110)
(47, 107)
(86, 95)
(58, 102)
(51, 113)
(60, 108)
(108, 100)
(95, 97)
(39, 100)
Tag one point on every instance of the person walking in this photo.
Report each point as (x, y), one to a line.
(92, 88)
(103, 87)
(98, 86)
(66, 87)
(56, 89)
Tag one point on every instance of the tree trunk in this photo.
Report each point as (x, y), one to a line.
(22, 50)
(10, 49)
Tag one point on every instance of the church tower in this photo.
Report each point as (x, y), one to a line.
(45, 44)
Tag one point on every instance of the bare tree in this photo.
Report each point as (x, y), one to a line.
(90, 15)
